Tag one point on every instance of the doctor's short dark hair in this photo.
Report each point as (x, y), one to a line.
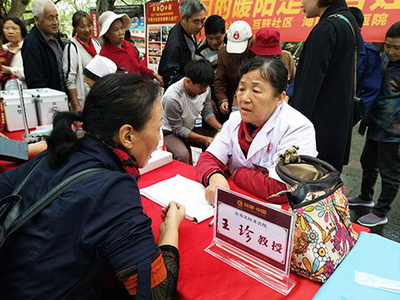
(200, 71)
(271, 70)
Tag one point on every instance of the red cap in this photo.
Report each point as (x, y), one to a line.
(267, 42)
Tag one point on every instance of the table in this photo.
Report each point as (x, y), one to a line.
(203, 276)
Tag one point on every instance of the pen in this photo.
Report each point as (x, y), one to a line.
(211, 222)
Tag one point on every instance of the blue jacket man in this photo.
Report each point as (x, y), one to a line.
(369, 74)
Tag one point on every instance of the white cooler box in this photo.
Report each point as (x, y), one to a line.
(13, 111)
(47, 101)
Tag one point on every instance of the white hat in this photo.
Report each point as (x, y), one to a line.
(238, 35)
(99, 66)
(108, 17)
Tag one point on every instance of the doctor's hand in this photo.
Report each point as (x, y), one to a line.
(215, 180)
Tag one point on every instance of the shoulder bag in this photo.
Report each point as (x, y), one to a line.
(323, 233)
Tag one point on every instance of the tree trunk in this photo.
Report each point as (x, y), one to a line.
(18, 8)
(104, 5)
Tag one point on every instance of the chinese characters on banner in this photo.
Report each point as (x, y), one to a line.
(288, 17)
(160, 18)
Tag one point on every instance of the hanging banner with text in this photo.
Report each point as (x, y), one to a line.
(289, 18)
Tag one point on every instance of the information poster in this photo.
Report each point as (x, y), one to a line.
(160, 18)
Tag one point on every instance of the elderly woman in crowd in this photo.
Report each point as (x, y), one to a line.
(14, 32)
(77, 54)
(116, 48)
(99, 219)
(252, 139)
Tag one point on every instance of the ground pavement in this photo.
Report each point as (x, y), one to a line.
(351, 177)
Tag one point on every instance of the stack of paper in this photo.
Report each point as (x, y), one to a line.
(158, 159)
(185, 191)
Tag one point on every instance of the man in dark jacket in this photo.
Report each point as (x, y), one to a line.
(42, 50)
(181, 44)
(325, 78)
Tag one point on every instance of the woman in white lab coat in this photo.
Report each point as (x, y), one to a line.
(252, 139)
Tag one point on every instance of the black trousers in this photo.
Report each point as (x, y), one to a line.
(384, 159)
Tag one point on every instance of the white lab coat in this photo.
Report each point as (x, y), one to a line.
(285, 128)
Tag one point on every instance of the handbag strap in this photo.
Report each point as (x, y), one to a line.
(22, 183)
(293, 180)
(339, 16)
(13, 222)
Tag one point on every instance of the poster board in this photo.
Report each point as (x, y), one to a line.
(160, 18)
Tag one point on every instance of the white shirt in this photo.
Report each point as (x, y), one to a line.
(16, 66)
(285, 128)
(75, 59)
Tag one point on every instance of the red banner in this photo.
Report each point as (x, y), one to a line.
(288, 17)
(162, 12)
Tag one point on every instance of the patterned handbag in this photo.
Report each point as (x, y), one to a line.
(323, 233)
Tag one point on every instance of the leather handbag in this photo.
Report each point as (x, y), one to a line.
(323, 233)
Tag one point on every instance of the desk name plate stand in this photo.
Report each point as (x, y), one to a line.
(255, 238)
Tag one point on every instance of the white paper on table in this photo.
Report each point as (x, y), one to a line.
(185, 191)
(377, 282)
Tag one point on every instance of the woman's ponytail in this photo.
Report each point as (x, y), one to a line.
(63, 141)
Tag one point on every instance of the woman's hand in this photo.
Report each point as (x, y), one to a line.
(172, 216)
(173, 212)
(215, 180)
(5, 69)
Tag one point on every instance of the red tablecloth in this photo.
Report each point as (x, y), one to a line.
(203, 276)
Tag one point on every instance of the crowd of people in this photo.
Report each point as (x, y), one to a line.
(238, 96)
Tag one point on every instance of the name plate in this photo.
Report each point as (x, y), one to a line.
(254, 237)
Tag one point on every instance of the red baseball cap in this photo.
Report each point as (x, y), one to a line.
(267, 42)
